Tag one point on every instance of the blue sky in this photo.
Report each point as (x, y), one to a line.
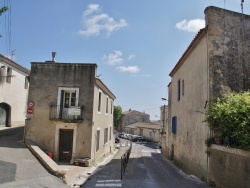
(135, 43)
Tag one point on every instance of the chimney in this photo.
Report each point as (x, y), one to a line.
(53, 56)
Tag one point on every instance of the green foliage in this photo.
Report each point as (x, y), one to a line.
(2, 10)
(209, 142)
(229, 117)
(117, 115)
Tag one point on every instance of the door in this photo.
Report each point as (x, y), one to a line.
(68, 100)
(4, 115)
(65, 144)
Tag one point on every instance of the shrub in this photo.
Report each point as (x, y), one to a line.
(230, 117)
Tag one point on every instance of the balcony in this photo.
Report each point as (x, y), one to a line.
(67, 115)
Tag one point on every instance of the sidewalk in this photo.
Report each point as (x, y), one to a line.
(73, 176)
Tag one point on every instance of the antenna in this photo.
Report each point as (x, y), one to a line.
(53, 56)
(242, 1)
(12, 54)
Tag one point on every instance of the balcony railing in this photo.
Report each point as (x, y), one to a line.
(69, 115)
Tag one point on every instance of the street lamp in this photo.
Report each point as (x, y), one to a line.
(164, 111)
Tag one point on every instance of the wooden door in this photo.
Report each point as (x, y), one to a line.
(65, 144)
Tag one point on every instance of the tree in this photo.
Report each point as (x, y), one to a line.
(2, 10)
(117, 115)
(230, 118)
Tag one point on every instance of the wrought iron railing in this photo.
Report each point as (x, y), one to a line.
(59, 113)
(124, 159)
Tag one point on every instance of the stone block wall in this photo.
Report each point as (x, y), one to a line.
(228, 51)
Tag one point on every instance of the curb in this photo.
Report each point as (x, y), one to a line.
(50, 165)
(82, 178)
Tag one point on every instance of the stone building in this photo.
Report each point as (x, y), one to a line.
(72, 113)
(13, 93)
(133, 116)
(150, 131)
(216, 62)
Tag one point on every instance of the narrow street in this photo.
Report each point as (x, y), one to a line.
(18, 167)
(146, 168)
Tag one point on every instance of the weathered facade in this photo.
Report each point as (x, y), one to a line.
(151, 131)
(13, 93)
(133, 116)
(73, 111)
(216, 62)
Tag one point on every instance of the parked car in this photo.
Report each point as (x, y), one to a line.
(117, 140)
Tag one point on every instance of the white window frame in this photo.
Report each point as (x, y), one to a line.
(107, 105)
(67, 89)
(99, 107)
(97, 140)
(106, 133)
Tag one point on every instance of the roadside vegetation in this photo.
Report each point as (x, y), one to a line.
(229, 118)
(117, 116)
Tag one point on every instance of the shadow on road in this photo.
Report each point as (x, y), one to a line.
(8, 172)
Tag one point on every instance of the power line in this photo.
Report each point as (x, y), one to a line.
(7, 17)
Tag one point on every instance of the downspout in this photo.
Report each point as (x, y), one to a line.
(208, 90)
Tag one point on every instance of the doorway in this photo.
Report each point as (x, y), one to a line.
(4, 115)
(65, 144)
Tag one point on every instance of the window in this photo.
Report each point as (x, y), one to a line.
(182, 89)
(174, 124)
(179, 90)
(99, 101)
(26, 83)
(97, 140)
(141, 132)
(67, 100)
(105, 135)
(110, 133)
(8, 77)
(111, 107)
(107, 105)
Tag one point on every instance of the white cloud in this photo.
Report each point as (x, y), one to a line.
(132, 56)
(113, 58)
(191, 25)
(91, 8)
(130, 69)
(96, 24)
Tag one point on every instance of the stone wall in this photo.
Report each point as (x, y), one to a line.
(229, 167)
(228, 50)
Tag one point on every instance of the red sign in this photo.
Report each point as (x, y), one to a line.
(31, 104)
(29, 110)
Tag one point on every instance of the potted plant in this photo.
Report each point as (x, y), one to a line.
(218, 137)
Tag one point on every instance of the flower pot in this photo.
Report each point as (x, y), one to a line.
(218, 140)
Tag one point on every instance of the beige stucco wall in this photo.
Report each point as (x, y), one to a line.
(45, 80)
(188, 144)
(229, 167)
(14, 94)
(151, 135)
(102, 120)
(147, 133)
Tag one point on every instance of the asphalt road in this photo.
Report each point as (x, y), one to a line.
(18, 167)
(147, 168)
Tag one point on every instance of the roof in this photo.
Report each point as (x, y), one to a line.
(12, 63)
(133, 112)
(144, 125)
(104, 87)
(194, 42)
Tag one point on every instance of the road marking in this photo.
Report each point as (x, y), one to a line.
(110, 183)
